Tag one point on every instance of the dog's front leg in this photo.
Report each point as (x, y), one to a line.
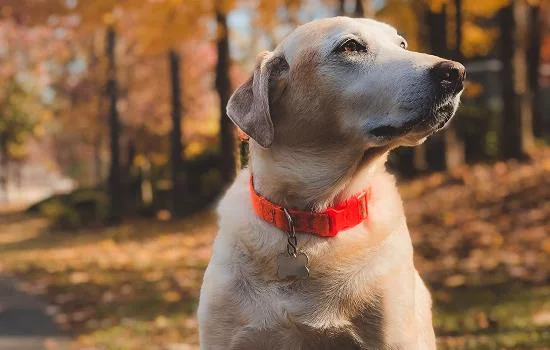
(218, 316)
(407, 305)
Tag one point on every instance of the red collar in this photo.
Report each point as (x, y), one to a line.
(327, 223)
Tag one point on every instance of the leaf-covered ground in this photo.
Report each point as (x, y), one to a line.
(482, 240)
(130, 287)
(482, 243)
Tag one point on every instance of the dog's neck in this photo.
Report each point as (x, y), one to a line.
(311, 180)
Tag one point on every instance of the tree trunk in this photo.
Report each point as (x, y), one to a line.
(176, 150)
(437, 24)
(98, 171)
(363, 8)
(454, 146)
(404, 161)
(18, 174)
(437, 29)
(341, 7)
(533, 65)
(223, 87)
(516, 133)
(100, 95)
(458, 29)
(132, 152)
(114, 188)
(418, 159)
(4, 170)
(98, 139)
(359, 9)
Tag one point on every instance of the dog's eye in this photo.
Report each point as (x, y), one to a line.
(403, 44)
(351, 46)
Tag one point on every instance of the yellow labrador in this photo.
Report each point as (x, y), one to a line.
(322, 111)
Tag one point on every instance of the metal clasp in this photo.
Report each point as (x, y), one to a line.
(292, 240)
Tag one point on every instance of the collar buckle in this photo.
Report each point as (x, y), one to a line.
(362, 202)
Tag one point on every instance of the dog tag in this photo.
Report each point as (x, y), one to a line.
(292, 268)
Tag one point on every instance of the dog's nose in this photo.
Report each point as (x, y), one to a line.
(449, 75)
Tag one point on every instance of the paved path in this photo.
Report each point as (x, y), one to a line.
(24, 325)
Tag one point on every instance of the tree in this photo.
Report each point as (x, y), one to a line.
(176, 149)
(99, 94)
(359, 9)
(114, 190)
(533, 64)
(341, 7)
(20, 111)
(437, 24)
(516, 133)
(454, 147)
(363, 8)
(24, 114)
(163, 27)
(223, 87)
(154, 28)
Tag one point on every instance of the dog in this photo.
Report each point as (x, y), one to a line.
(322, 112)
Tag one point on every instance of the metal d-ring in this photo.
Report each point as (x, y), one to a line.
(292, 240)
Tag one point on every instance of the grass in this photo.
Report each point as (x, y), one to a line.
(510, 315)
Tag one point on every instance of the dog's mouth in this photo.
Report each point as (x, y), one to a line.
(410, 132)
(439, 117)
(445, 114)
(387, 131)
(428, 121)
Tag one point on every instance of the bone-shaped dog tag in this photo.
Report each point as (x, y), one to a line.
(292, 268)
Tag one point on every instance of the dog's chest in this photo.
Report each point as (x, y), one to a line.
(299, 316)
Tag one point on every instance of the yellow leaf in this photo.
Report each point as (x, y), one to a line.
(161, 322)
(79, 277)
(171, 296)
(109, 19)
(455, 280)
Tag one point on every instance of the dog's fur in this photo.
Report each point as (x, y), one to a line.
(321, 121)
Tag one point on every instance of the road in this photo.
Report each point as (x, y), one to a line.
(24, 324)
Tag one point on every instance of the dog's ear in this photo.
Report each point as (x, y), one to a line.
(249, 107)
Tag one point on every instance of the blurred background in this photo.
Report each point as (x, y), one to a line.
(114, 147)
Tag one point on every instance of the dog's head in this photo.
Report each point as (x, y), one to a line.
(347, 82)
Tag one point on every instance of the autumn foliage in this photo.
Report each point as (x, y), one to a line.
(127, 98)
